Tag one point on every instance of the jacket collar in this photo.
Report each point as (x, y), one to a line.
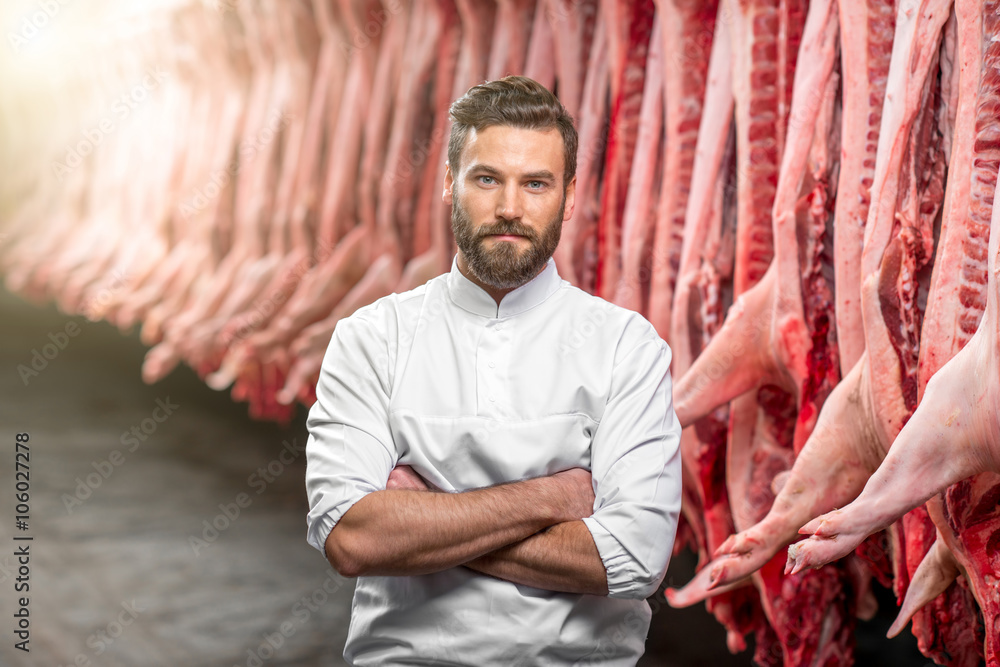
(473, 298)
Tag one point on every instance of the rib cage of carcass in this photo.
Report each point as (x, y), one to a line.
(797, 194)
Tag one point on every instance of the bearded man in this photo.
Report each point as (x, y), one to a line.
(494, 455)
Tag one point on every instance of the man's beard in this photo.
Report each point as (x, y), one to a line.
(506, 266)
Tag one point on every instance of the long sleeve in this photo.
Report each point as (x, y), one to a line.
(636, 468)
(350, 450)
(470, 393)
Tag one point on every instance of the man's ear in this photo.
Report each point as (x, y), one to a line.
(449, 183)
(570, 199)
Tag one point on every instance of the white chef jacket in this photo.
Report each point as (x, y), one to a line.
(471, 394)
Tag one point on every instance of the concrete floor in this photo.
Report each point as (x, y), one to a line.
(116, 575)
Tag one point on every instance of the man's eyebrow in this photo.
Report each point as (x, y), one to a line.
(542, 174)
(483, 169)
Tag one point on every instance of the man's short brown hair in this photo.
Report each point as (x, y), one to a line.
(514, 101)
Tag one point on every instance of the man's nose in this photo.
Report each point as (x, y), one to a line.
(510, 206)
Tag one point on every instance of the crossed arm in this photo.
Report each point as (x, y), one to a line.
(526, 532)
(541, 532)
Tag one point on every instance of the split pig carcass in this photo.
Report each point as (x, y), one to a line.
(797, 194)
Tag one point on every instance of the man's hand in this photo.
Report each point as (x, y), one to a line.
(564, 560)
(405, 531)
(578, 490)
(403, 477)
(577, 485)
(562, 557)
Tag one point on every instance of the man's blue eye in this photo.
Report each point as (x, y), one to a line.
(486, 180)
(535, 185)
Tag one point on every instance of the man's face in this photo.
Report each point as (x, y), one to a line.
(508, 203)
